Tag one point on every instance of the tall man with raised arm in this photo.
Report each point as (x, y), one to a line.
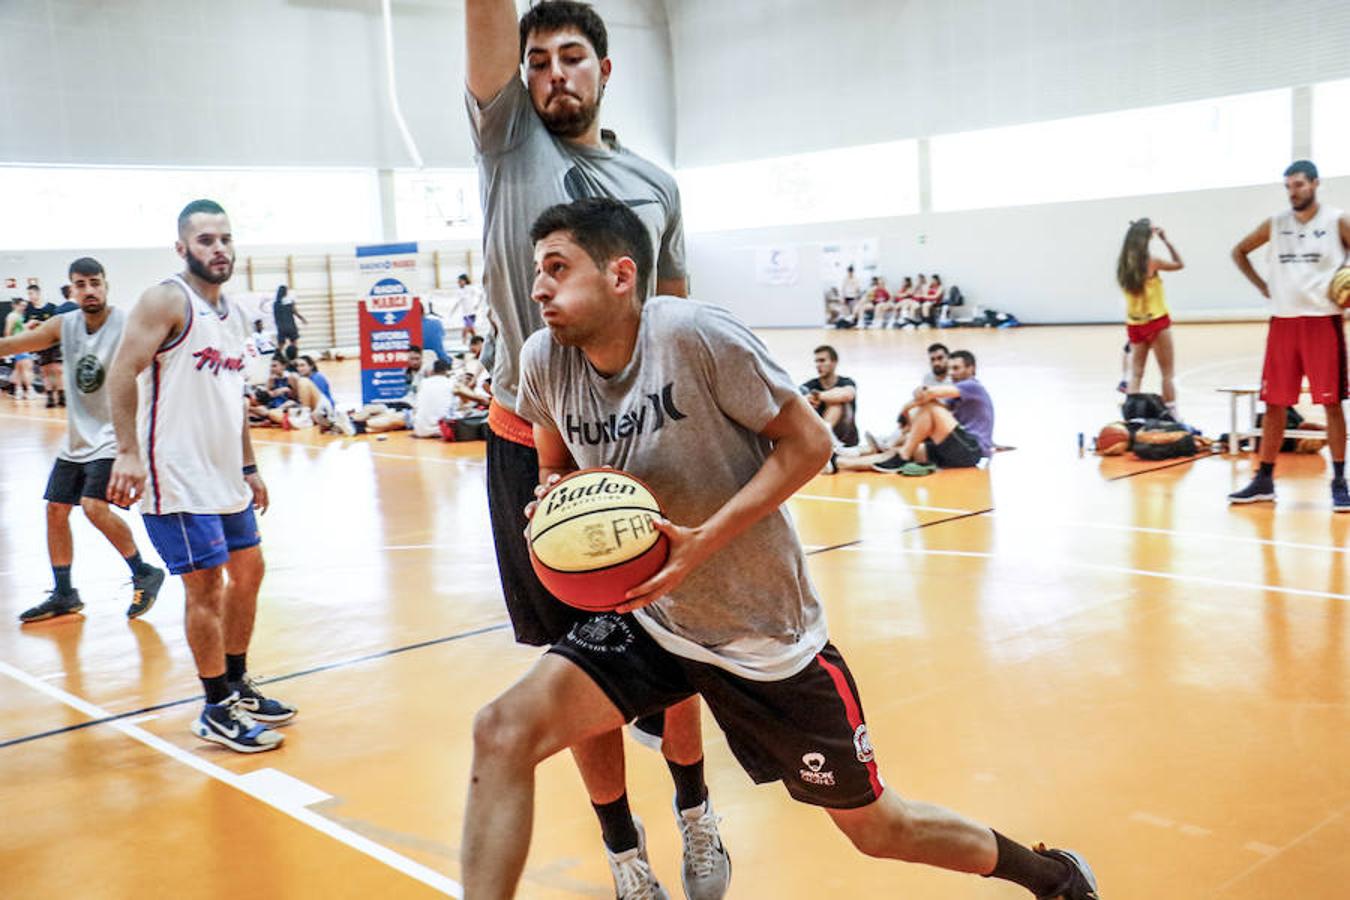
(539, 143)
(177, 392)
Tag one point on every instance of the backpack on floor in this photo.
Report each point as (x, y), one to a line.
(1157, 439)
(1144, 406)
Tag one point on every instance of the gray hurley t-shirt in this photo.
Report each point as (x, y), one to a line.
(89, 431)
(684, 416)
(523, 170)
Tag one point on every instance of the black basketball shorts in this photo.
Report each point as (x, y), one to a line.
(537, 616)
(70, 481)
(958, 450)
(806, 731)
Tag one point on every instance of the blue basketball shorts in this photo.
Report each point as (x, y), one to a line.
(191, 542)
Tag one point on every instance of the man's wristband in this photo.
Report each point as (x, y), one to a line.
(250, 469)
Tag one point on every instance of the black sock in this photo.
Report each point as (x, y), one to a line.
(1267, 470)
(1044, 876)
(616, 825)
(136, 564)
(1338, 468)
(690, 791)
(62, 575)
(216, 688)
(236, 664)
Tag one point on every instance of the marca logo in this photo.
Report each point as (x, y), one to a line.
(813, 774)
(655, 411)
(212, 359)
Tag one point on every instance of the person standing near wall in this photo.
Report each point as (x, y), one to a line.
(285, 314)
(1147, 320)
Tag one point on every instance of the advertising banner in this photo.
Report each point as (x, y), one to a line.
(389, 290)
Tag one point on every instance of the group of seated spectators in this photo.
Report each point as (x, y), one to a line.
(913, 304)
(295, 394)
(948, 423)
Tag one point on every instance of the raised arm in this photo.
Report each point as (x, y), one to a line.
(1258, 237)
(1164, 265)
(48, 334)
(801, 445)
(492, 35)
(159, 316)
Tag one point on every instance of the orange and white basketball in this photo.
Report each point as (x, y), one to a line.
(1339, 292)
(593, 537)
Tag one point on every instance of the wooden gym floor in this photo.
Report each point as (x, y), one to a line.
(1094, 653)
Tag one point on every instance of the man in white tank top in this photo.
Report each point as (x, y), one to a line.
(87, 340)
(1308, 243)
(177, 392)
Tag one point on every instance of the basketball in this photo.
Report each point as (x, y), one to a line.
(593, 537)
(1339, 292)
(1113, 439)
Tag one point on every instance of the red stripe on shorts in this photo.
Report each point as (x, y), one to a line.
(853, 710)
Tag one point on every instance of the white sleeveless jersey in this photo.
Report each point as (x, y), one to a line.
(89, 428)
(1303, 256)
(192, 414)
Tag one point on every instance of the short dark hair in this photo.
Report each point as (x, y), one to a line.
(210, 207)
(413, 348)
(65, 291)
(943, 347)
(605, 228)
(965, 356)
(1302, 167)
(440, 367)
(476, 339)
(462, 276)
(86, 266)
(35, 287)
(551, 16)
(828, 351)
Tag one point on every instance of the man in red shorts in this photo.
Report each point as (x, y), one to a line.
(1308, 243)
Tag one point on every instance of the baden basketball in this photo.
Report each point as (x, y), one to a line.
(593, 537)
(1113, 439)
(1339, 292)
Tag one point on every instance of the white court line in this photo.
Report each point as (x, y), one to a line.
(318, 448)
(1276, 851)
(1109, 526)
(1099, 567)
(243, 784)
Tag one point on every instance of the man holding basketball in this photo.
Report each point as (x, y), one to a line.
(1308, 243)
(539, 143)
(732, 614)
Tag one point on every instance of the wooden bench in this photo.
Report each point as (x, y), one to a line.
(1237, 436)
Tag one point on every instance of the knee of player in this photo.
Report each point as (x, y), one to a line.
(58, 512)
(886, 831)
(94, 509)
(505, 735)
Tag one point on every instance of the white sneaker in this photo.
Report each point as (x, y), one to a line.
(707, 865)
(342, 422)
(633, 876)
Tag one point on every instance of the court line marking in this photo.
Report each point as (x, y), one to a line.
(1102, 567)
(1278, 851)
(169, 704)
(357, 842)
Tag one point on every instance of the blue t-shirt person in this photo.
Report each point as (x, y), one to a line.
(975, 411)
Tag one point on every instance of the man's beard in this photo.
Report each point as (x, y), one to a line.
(568, 122)
(1300, 207)
(203, 271)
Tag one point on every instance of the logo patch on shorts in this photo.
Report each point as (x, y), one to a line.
(813, 774)
(862, 744)
(602, 634)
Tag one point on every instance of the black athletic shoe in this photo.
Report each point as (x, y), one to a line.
(51, 400)
(1082, 883)
(55, 605)
(264, 709)
(893, 464)
(1340, 495)
(144, 589)
(1262, 488)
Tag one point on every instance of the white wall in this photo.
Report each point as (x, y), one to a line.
(273, 82)
(1046, 264)
(759, 78)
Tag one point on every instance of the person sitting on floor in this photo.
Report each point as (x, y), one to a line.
(951, 426)
(833, 396)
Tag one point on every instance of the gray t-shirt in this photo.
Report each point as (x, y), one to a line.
(684, 416)
(523, 170)
(89, 431)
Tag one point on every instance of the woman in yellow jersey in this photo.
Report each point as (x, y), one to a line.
(1146, 317)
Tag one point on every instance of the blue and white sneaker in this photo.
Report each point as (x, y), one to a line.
(1260, 490)
(229, 724)
(264, 709)
(706, 871)
(1340, 495)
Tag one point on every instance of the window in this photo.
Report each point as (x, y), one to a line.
(437, 204)
(66, 207)
(863, 182)
(1331, 128)
(1224, 142)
